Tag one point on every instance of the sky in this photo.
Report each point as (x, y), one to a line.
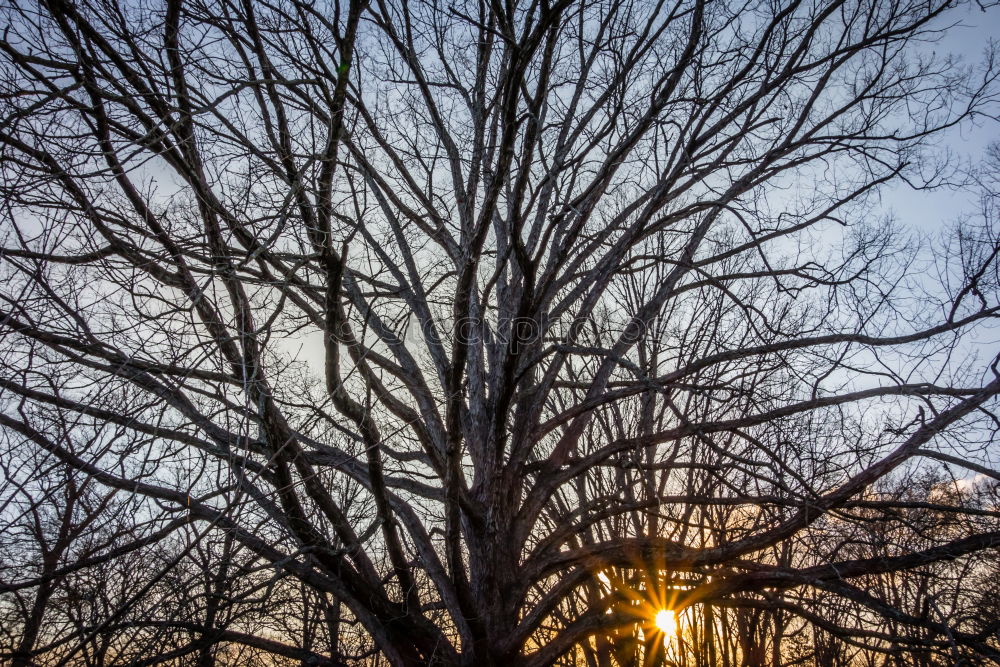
(929, 211)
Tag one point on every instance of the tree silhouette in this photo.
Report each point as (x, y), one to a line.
(478, 332)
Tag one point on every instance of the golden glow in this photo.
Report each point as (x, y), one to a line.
(666, 622)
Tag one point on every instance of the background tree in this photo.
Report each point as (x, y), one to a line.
(487, 329)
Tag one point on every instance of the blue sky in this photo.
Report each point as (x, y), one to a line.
(929, 211)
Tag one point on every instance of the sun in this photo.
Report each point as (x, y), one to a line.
(666, 622)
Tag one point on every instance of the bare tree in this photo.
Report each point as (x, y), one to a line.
(484, 331)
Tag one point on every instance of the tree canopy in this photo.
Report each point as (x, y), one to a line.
(478, 333)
